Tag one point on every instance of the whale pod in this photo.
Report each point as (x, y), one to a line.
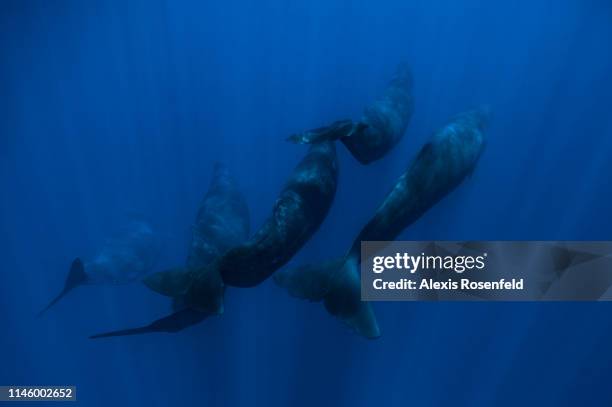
(298, 212)
(222, 222)
(381, 127)
(439, 167)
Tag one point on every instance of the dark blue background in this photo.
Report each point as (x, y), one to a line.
(109, 108)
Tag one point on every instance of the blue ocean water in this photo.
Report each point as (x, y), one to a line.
(112, 108)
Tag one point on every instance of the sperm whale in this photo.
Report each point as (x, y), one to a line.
(298, 212)
(381, 127)
(222, 222)
(124, 259)
(440, 166)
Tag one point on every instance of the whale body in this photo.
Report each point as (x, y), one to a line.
(222, 222)
(440, 166)
(381, 127)
(298, 212)
(122, 260)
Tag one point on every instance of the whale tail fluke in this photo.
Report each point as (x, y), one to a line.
(170, 324)
(76, 277)
(337, 284)
(338, 130)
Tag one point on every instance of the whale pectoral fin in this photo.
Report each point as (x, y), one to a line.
(335, 131)
(171, 283)
(172, 323)
(337, 284)
(76, 277)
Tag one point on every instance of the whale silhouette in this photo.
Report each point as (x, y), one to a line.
(222, 222)
(381, 127)
(298, 212)
(123, 259)
(301, 207)
(439, 167)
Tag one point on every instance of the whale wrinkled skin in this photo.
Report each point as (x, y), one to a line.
(441, 165)
(381, 127)
(298, 212)
(222, 221)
